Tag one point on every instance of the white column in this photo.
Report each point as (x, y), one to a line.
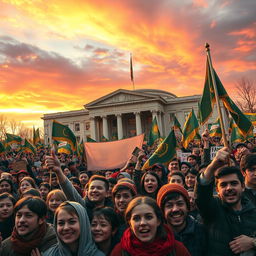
(138, 123)
(154, 115)
(93, 128)
(159, 122)
(119, 126)
(105, 126)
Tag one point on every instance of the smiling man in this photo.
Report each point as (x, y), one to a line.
(31, 230)
(230, 217)
(173, 199)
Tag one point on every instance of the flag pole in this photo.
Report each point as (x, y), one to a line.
(131, 71)
(225, 141)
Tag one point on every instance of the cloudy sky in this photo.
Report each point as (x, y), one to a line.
(58, 55)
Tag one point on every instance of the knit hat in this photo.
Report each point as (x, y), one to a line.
(125, 184)
(125, 174)
(171, 188)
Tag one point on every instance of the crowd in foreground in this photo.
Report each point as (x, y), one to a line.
(195, 207)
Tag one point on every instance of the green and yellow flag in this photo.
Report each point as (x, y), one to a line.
(28, 147)
(36, 136)
(61, 132)
(177, 125)
(208, 100)
(11, 139)
(215, 129)
(164, 153)
(64, 147)
(236, 134)
(104, 139)
(154, 133)
(2, 148)
(190, 130)
(89, 139)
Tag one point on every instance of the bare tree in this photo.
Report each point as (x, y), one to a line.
(13, 125)
(246, 90)
(3, 126)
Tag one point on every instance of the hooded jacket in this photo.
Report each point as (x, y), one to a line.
(86, 246)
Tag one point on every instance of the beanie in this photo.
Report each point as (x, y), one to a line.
(171, 188)
(124, 184)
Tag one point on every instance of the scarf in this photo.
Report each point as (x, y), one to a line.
(135, 247)
(25, 246)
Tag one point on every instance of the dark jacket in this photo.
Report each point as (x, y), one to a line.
(72, 195)
(193, 236)
(222, 222)
(250, 195)
(48, 240)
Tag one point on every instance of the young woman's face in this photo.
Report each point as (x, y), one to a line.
(122, 199)
(44, 192)
(150, 183)
(68, 227)
(24, 186)
(144, 222)
(101, 229)
(6, 208)
(190, 180)
(54, 202)
(5, 187)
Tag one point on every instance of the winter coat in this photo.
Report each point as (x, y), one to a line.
(222, 222)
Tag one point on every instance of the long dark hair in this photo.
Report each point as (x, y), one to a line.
(159, 184)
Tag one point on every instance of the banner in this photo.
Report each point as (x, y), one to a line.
(214, 151)
(112, 154)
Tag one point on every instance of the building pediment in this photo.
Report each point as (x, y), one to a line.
(122, 96)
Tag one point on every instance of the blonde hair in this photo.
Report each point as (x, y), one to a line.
(58, 193)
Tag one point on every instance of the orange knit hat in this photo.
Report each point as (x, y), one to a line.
(171, 188)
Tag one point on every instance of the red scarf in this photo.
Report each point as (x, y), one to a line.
(135, 247)
(24, 247)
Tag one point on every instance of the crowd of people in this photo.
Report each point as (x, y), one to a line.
(197, 207)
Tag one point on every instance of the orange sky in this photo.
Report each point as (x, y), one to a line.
(59, 55)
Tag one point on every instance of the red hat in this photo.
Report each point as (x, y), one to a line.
(171, 188)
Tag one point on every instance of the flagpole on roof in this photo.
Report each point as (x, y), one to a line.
(225, 141)
(131, 72)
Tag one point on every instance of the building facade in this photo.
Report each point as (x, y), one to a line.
(124, 113)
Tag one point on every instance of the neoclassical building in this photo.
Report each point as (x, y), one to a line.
(123, 114)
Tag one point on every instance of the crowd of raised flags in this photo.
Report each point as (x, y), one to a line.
(240, 128)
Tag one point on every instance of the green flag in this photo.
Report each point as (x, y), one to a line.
(89, 139)
(11, 139)
(2, 148)
(236, 134)
(164, 153)
(104, 139)
(64, 147)
(208, 100)
(28, 147)
(154, 133)
(177, 125)
(62, 132)
(190, 130)
(215, 129)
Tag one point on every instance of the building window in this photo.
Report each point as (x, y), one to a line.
(77, 127)
(87, 126)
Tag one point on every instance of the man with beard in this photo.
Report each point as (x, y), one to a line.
(173, 199)
(230, 218)
(31, 230)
